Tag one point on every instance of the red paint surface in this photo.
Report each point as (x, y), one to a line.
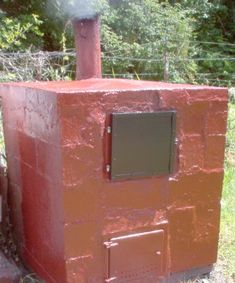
(87, 40)
(65, 206)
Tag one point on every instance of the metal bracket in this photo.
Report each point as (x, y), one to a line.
(109, 245)
(108, 168)
(109, 129)
(110, 279)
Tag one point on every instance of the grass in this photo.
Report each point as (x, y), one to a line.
(227, 238)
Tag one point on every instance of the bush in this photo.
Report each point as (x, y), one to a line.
(14, 32)
(232, 95)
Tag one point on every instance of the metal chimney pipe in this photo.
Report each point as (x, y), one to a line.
(87, 40)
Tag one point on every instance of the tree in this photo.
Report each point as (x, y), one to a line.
(214, 31)
(162, 38)
(147, 37)
(52, 21)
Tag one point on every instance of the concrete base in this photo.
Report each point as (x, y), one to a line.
(189, 275)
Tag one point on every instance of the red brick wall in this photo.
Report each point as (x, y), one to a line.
(65, 206)
(33, 153)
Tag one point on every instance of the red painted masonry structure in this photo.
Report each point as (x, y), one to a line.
(75, 225)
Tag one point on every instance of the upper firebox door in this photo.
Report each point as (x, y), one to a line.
(142, 144)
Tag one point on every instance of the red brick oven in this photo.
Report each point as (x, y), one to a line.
(115, 180)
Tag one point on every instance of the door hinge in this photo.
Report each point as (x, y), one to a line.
(109, 129)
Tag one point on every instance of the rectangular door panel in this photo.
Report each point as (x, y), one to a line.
(136, 258)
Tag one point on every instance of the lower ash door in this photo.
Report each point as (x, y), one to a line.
(136, 258)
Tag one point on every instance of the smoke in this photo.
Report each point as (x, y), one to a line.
(82, 9)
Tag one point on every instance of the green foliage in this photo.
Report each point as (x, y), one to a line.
(15, 32)
(169, 34)
(52, 21)
(227, 238)
(151, 30)
(227, 247)
(214, 22)
(232, 95)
